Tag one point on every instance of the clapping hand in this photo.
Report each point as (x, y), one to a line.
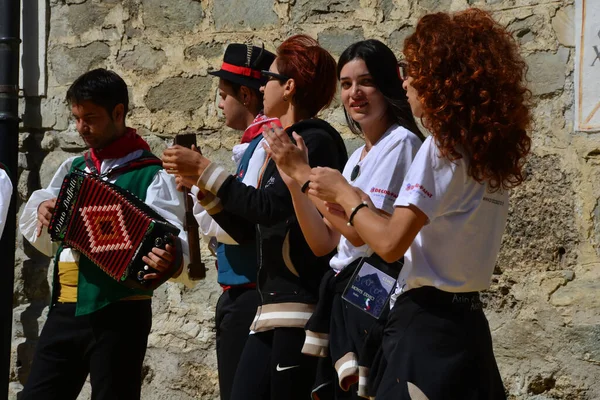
(290, 158)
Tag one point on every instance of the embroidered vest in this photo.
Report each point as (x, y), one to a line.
(95, 289)
(238, 263)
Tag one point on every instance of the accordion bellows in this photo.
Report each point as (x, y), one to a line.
(110, 226)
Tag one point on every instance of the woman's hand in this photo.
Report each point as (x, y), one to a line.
(365, 197)
(336, 209)
(328, 184)
(290, 158)
(289, 181)
(179, 160)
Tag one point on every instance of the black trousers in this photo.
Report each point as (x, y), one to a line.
(437, 344)
(235, 312)
(272, 367)
(109, 344)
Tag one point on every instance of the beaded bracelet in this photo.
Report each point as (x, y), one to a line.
(355, 210)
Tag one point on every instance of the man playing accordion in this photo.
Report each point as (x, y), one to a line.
(95, 324)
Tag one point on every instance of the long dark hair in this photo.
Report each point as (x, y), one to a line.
(383, 67)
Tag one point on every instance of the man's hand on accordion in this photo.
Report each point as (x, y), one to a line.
(162, 259)
(44, 214)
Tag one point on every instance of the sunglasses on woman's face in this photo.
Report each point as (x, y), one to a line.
(403, 70)
(274, 76)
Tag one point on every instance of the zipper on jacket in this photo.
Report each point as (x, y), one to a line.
(260, 264)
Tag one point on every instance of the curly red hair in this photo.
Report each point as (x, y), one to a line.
(469, 78)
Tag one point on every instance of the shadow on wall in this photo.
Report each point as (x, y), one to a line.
(34, 293)
(34, 275)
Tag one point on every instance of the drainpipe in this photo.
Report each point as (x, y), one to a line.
(10, 16)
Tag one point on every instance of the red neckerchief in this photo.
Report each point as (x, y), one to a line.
(124, 145)
(257, 126)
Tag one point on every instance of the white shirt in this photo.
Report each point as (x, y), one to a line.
(381, 173)
(5, 194)
(456, 250)
(208, 226)
(162, 196)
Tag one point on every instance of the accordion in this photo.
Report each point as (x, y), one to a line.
(111, 227)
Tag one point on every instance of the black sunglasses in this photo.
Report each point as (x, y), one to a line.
(274, 76)
(355, 172)
(403, 70)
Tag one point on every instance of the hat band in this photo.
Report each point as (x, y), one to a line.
(241, 70)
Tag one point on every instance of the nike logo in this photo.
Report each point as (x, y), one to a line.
(279, 369)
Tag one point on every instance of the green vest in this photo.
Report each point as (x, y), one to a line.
(95, 289)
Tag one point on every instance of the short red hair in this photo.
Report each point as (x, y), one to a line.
(313, 70)
(469, 77)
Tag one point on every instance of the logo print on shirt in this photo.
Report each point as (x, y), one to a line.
(270, 182)
(385, 192)
(493, 201)
(410, 187)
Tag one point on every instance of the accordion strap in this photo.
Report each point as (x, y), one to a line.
(90, 164)
(132, 165)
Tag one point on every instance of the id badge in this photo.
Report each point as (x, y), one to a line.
(371, 286)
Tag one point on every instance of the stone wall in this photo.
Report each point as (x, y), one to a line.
(543, 307)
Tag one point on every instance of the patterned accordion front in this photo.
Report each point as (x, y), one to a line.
(110, 226)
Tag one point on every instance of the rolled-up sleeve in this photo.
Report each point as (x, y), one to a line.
(162, 195)
(207, 225)
(28, 222)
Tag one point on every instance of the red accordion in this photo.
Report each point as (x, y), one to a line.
(110, 226)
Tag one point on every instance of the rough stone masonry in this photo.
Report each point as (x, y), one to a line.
(544, 304)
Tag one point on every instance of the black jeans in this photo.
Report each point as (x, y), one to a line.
(109, 344)
(236, 309)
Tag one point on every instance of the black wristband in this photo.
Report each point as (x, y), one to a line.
(305, 186)
(355, 210)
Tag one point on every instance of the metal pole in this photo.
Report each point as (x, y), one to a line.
(10, 16)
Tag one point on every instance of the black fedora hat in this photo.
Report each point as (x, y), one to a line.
(242, 64)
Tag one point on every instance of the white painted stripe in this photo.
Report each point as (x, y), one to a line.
(285, 315)
(316, 341)
(213, 178)
(347, 365)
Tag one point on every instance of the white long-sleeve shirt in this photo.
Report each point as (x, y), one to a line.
(162, 196)
(6, 189)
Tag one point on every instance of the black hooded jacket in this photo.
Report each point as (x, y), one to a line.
(288, 272)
